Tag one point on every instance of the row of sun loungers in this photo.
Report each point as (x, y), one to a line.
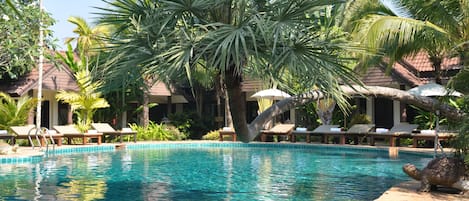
(358, 133)
(69, 132)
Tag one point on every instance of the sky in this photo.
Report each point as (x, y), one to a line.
(61, 10)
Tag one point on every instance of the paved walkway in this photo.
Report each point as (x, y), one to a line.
(407, 191)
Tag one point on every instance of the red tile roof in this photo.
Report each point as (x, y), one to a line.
(377, 76)
(53, 79)
(421, 62)
(410, 71)
(160, 89)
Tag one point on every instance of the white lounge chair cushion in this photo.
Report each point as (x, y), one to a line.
(427, 131)
(335, 129)
(382, 130)
(301, 129)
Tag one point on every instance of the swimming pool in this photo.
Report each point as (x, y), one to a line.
(208, 171)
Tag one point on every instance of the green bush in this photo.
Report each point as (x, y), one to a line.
(427, 119)
(14, 112)
(360, 119)
(461, 142)
(158, 132)
(212, 135)
(192, 124)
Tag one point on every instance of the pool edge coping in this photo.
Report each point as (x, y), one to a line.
(36, 156)
(27, 153)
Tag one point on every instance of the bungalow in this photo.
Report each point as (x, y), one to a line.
(55, 79)
(385, 113)
(404, 74)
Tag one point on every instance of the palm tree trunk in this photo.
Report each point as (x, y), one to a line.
(199, 100)
(423, 102)
(145, 116)
(436, 63)
(218, 94)
(229, 119)
(237, 104)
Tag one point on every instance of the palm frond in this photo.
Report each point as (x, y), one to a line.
(15, 112)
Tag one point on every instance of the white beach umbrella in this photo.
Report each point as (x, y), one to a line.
(273, 94)
(434, 90)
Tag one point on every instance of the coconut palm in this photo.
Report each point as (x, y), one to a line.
(167, 38)
(402, 28)
(89, 38)
(14, 112)
(85, 102)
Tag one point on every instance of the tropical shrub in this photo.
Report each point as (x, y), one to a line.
(85, 102)
(212, 135)
(307, 116)
(360, 119)
(158, 132)
(461, 142)
(191, 124)
(427, 119)
(14, 112)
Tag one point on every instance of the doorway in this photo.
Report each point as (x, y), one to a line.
(384, 113)
(45, 122)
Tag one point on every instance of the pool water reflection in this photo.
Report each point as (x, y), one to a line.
(208, 173)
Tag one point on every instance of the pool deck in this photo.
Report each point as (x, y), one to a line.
(406, 191)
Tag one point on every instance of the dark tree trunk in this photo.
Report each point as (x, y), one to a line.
(436, 63)
(219, 94)
(229, 119)
(237, 104)
(145, 116)
(199, 100)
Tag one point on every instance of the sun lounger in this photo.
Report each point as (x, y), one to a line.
(6, 136)
(278, 130)
(356, 131)
(29, 132)
(71, 132)
(227, 131)
(321, 130)
(359, 131)
(107, 129)
(430, 135)
(398, 131)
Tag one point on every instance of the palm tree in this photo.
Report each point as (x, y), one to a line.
(85, 102)
(90, 39)
(403, 28)
(165, 38)
(14, 112)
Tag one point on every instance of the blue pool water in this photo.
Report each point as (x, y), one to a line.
(208, 173)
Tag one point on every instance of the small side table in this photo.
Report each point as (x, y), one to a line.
(227, 132)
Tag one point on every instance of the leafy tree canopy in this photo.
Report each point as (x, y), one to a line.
(19, 45)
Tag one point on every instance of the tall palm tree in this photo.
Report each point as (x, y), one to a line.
(168, 38)
(90, 39)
